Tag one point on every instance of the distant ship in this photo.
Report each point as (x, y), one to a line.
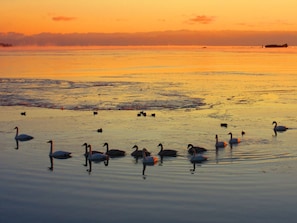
(276, 45)
(5, 44)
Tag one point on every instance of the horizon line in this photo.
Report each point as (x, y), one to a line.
(170, 37)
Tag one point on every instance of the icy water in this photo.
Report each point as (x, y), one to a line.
(191, 91)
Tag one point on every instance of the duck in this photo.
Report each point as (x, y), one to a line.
(96, 156)
(138, 153)
(197, 157)
(224, 125)
(166, 152)
(220, 144)
(148, 160)
(22, 137)
(233, 140)
(114, 152)
(279, 128)
(197, 149)
(242, 133)
(58, 154)
(86, 150)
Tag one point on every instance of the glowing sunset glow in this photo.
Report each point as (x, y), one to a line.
(132, 16)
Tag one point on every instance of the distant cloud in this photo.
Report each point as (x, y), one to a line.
(269, 24)
(62, 18)
(202, 19)
(245, 25)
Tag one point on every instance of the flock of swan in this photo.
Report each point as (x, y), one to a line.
(196, 152)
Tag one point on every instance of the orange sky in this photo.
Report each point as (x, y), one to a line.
(108, 16)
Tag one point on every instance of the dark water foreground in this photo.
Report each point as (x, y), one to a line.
(254, 181)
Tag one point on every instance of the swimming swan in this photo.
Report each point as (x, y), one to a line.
(148, 160)
(138, 153)
(279, 128)
(197, 149)
(96, 156)
(22, 137)
(114, 152)
(197, 157)
(86, 150)
(166, 152)
(233, 140)
(220, 144)
(58, 154)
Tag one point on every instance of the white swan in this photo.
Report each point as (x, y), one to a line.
(96, 156)
(279, 128)
(197, 157)
(148, 160)
(233, 140)
(58, 154)
(220, 144)
(22, 137)
(86, 150)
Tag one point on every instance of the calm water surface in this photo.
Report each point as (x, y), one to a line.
(191, 91)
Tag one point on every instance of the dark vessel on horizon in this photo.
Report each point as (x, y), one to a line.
(276, 45)
(5, 44)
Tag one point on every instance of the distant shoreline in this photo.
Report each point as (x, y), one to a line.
(154, 38)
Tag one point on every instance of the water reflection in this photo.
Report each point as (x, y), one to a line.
(17, 144)
(51, 168)
(277, 132)
(217, 155)
(194, 167)
(89, 170)
(144, 168)
(164, 158)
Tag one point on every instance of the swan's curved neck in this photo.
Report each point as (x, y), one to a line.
(86, 148)
(107, 149)
(17, 131)
(161, 146)
(51, 148)
(143, 154)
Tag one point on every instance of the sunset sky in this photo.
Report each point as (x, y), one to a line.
(129, 16)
